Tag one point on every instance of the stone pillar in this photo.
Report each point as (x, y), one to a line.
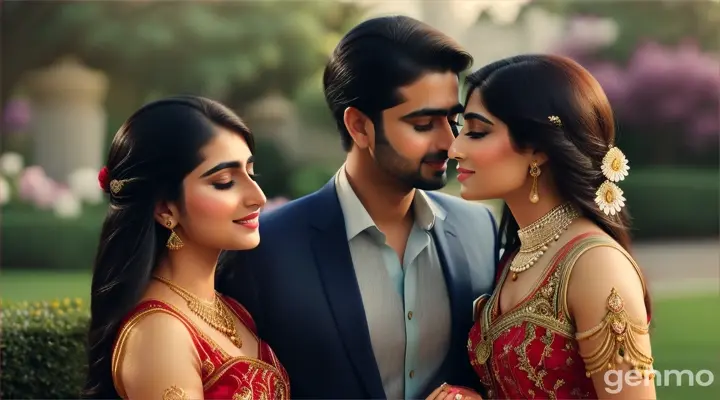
(441, 14)
(275, 118)
(536, 32)
(68, 127)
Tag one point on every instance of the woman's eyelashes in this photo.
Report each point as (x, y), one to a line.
(476, 134)
(231, 183)
(223, 185)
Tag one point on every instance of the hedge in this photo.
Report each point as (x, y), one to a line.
(673, 203)
(42, 352)
(34, 238)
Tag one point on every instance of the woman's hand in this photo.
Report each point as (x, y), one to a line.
(449, 392)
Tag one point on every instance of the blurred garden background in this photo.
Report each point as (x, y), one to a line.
(72, 72)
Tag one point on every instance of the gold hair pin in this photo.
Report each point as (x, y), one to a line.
(116, 185)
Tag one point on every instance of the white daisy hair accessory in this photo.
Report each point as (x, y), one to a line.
(609, 197)
(615, 165)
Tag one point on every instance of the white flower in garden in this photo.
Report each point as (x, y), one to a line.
(4, 191)
(83, 184)
(11, 164)
(67, 205)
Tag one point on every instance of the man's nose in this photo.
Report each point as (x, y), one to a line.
(446, 137)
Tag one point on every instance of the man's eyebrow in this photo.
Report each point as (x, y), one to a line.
(477, 116)
(434, 112)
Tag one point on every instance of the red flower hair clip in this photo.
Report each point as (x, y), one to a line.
(103, 176)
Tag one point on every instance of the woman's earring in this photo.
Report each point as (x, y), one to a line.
(173, 242)
(534, 172)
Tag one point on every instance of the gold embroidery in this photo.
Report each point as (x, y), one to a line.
(207, 368)
(536, 375)
(174, 393)
(546, 308)
(619, 340)
(245, 394)
(538, 309)
(479, 305)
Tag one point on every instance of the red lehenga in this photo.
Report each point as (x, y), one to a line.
(530, 351)
(223, 376)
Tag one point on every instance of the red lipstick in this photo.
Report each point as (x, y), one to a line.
(250, 221)
(464, 174)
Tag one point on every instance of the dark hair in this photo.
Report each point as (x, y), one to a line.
(379, 56)
(156, 148)
(523, 91)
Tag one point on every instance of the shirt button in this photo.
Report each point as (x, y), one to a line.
(412, 374)
(410, 314)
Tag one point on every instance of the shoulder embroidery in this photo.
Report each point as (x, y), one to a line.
(618, 340)
(174, 393)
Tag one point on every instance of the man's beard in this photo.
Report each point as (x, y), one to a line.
(408, 172)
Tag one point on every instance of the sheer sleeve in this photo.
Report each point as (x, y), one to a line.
(606, 299)
(156, 359)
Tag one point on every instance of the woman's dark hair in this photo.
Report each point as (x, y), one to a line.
(523, 91)
(156, 148)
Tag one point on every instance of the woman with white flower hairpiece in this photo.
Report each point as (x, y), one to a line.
(570, 307)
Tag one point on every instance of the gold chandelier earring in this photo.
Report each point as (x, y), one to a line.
(173, 242)
(534, 173)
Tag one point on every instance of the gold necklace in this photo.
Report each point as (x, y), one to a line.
(538, 236)
(215, 313)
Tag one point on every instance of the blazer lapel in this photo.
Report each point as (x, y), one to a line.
(335, 266)
(457, 275)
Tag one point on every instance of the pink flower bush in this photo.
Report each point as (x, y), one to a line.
(16, 115)
(32, 185)
(680, 86)
(36, 187)
(662, 88)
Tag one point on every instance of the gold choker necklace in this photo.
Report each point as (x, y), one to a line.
(536, 237)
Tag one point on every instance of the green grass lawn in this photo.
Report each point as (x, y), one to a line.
(686, 331)
(43, 285)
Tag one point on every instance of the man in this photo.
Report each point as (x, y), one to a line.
(365, 288)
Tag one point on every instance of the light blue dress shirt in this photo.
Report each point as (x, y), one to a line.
(406, 304)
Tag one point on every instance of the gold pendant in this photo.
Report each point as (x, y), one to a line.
(482, 351)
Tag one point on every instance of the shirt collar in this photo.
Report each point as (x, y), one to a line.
(358, 220)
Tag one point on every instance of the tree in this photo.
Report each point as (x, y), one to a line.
(667, 22)
(215, 48)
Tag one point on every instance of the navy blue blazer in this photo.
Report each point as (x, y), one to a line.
(299, 285)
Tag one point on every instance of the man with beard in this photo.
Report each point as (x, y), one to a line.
(365, 288)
